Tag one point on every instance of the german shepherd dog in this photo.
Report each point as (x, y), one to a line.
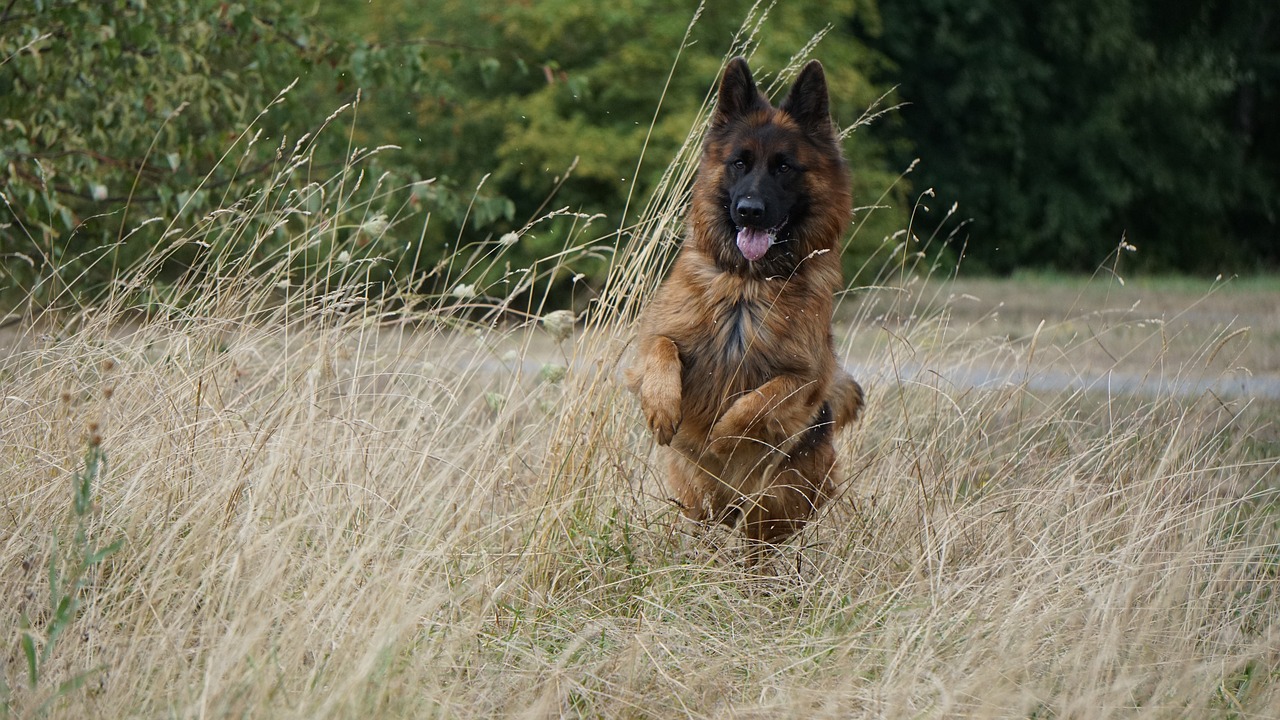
(736, 371)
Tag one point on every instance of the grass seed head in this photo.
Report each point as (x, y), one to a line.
(559, 324)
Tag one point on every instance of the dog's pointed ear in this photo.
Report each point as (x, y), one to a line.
(738, 93)
(807, 103)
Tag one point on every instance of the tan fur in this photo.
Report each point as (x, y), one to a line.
(735, 363)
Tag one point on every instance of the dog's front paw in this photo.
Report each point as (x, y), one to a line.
(723, 441)
(660, 402)
(737, 424)
(656, 379)
(662, 423)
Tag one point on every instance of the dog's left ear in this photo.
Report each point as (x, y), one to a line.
(807, 102)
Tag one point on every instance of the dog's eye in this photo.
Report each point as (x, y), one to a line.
(784, 168)
(740, 164)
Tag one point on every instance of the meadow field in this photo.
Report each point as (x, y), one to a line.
(253, 506)
(266, 492)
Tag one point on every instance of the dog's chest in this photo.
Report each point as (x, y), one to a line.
(740, 329)
(742, 343)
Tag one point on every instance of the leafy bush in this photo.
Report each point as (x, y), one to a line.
(514, 126)
(121, 112)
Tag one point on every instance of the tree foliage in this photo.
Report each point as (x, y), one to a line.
(563, 104)
(1059, 127)
(122, 111)
(1062, 126)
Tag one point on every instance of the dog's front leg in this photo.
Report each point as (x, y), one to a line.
(774, 413)
(656, 380)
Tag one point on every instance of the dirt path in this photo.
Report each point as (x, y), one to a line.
(1143, 337)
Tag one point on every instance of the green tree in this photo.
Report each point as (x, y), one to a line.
(1062, 126)
(116, 112)
(553, 101)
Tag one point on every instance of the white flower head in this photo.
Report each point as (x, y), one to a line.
(375, 226)
(509, 239)
(553, 373)
(495, 401)
(559, 324)
(464, 291)
(344, 257)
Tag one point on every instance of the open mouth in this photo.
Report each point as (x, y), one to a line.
(753, 243)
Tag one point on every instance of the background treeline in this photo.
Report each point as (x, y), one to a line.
(1062, 125)
(1057, 126)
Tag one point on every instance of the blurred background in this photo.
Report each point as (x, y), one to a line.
(1057, 129)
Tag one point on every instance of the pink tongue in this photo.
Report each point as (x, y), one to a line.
(753, 243)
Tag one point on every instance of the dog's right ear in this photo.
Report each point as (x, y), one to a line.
(738, 94)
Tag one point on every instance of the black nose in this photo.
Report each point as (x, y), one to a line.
(750, 208)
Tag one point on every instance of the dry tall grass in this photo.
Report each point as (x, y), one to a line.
(331, 508)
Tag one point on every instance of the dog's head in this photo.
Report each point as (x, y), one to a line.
(773, 183)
